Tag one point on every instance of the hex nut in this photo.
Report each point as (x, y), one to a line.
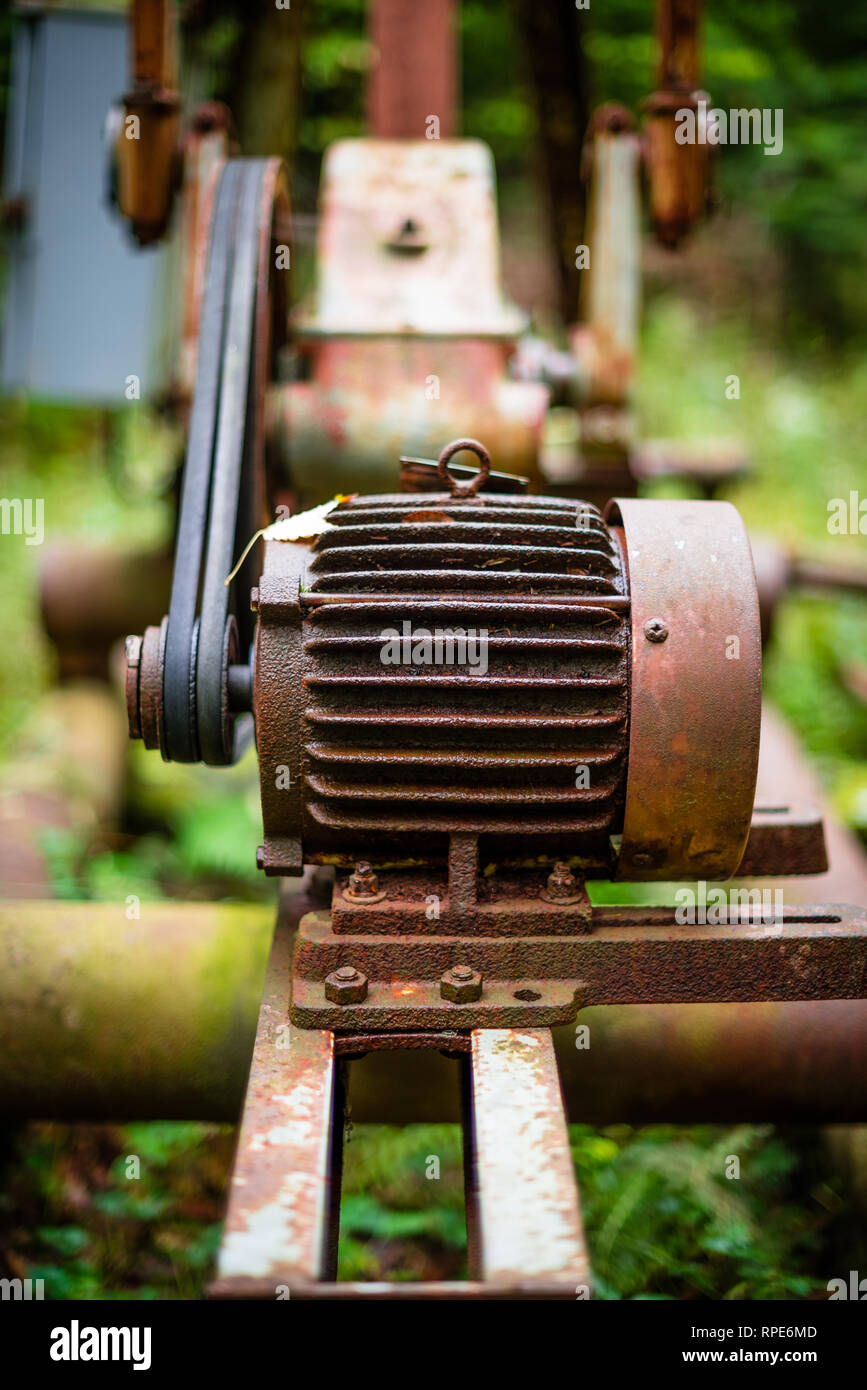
(562, 887)
(363, 886)
(346, 985)
(461, 985)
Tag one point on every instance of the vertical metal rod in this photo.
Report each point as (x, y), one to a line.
(677, 32)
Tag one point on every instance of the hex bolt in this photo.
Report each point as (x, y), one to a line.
(260, 857)
(364, 881)
(461, 985)
(561, 881)
(254, 600)
(655, 630)
(346, 985)
(561, 886)
(363, 885)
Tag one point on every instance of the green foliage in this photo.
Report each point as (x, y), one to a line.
(664, 1221)
(67, 457)
(395, 1221)
(72, 1216)
(801, 421)
(810, 62)
(662, 1218)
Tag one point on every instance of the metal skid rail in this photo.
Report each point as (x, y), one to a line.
(525, 1236)
(524, 1233)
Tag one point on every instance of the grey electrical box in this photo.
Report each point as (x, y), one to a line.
(84, 308)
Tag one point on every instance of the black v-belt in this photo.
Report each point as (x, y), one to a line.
(200, 638)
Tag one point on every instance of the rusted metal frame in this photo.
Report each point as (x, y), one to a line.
(522, 1176)
(280, 1227)
(783, 840)
(786, 777)
(678, 1063)
(280, 1234)
(786, 840)
(514, 903)
(88, 1031)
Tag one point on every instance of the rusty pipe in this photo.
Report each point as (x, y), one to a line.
(89, 1031)
(414, 73)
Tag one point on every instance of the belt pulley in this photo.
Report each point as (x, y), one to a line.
(180, 674)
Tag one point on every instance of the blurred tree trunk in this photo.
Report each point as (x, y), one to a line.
(258, 75)
(551, 36)
(269, 82)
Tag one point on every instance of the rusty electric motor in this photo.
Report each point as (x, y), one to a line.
(558, 683)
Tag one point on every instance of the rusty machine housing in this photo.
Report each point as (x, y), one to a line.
(470, 701)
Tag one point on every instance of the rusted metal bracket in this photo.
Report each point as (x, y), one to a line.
(786, 840)
(525, 1234)
(632, 955)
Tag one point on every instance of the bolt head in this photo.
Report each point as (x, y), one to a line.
(346, 985)
(562, 887)
(461, 985)
(363, 885)
(655, 630)
(561, 882)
